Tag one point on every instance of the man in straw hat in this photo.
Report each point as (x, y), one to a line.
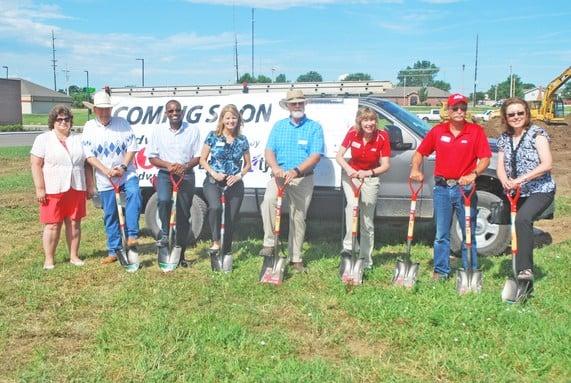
(294, 148)
(110, 145)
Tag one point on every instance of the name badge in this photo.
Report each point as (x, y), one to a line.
(356, 144)
(464, 141)
(373, 149)
(220, 143)
(445, 139)
(302, 142)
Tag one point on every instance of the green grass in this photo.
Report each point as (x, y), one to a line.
(98, 323)
(11, 128)
(79, 118)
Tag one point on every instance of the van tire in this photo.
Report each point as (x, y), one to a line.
(491, 239)
(197, 217)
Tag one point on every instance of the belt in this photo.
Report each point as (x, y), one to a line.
(448, 182)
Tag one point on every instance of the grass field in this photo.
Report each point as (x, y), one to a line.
(79, 118)
(98, 323)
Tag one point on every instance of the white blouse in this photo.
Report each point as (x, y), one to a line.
(63, 169)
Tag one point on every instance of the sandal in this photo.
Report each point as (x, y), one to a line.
(525, 275)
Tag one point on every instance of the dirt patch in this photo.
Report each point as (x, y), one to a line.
(558, 229)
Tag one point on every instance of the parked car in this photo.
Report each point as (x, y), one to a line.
(432, 115)
(485, 116)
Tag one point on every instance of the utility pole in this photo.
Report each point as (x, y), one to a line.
(475, 73)
(463, 67)
(54, 59)
(252, 43)
(235, 43)
(511, 82)
(66, 71)
(87, 92)
(6, 67)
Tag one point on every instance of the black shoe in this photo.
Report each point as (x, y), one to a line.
(183, 263)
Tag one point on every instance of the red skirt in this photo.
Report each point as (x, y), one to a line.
(70, 204)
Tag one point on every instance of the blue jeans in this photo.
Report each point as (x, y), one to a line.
(183, 205)
(447, 201)
(111, 218)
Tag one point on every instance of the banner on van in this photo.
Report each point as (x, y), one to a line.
(259, 111)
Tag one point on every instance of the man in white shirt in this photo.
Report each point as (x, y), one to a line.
(174, 148)
(110, 146)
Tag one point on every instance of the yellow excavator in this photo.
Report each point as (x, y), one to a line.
(550, 108)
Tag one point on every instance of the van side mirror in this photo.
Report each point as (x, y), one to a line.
(395, 135)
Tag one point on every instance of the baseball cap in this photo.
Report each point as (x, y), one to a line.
(457, 98)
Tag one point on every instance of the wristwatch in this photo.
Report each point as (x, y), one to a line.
(297, 171)
(124, 167)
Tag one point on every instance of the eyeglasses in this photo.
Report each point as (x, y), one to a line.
(462, 107)
(174, 110)
(63, 119)
(511, 115)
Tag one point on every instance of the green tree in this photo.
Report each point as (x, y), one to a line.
(311, 76)
(281, 78)
(441, 85)
(263, 79)
(422, 73)
(479, 96)
(246, 77)
(423, 94)
(358, 77)
(504, 88)
(566, 91)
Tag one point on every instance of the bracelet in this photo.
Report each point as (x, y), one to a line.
(297, 171)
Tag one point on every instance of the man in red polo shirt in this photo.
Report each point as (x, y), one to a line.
(462, 154)
(370, 154)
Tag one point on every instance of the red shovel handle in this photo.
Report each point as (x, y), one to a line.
(414, 191)
(176, 184)
(468, 197)
(467, 203)
(115, 185)
(513, 196)
(356, 188)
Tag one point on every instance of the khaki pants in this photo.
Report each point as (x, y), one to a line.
(367, 206)
(298, 196)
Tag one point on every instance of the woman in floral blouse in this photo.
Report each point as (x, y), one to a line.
(526, 158)
(226, 158)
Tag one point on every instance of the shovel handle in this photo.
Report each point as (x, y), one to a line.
(357, 188)
(513, 197)
(117, 190)
(281, 192)
(414, 191)
(467, 207)
(175, 184)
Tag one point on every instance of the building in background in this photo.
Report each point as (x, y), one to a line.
(10, 102)
(410, 96)
(37, 99)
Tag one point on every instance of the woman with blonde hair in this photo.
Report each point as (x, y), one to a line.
(370, 157)
(226, 158)
(63, 181)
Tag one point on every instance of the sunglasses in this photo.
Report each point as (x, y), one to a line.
(463, 108)
(63, 119)
(520, 113)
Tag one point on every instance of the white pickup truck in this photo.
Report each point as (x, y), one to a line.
(432, 115)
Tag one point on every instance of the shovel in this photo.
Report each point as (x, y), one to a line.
(128, 258)
(406, 271)
(351, 267)
(219, 261)
(468, 280)
(273, 268)
(515, 290)
(169, 262)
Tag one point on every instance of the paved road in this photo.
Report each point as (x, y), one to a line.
(17, 138)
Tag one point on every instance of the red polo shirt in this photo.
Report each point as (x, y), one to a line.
(366, 156)
(455, 156)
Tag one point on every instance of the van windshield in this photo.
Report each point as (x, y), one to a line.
(404, 116)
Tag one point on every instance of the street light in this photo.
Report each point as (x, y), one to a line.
(142, 71)
(273, 73)
(5, 67)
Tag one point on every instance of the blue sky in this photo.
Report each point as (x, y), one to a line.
(187, 42)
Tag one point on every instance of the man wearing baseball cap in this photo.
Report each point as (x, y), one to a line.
(294, 148)
(462, 154)
(110, 145)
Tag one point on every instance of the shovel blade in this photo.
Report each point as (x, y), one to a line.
(172, 259)
(463, 282)
(516, 291)
(476, 281)
(411, 274)
(400, 273)
(345, 269)
(129, 260)
(227, 263)
(163, 258)
(357, 272)
(267, 267)
(274, 272)
(215, 262)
